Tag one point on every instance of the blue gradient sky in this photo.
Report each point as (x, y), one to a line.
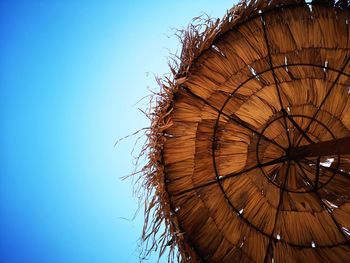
(70, 74)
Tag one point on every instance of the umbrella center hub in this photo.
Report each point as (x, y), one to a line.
(295, 154)
(282, 155)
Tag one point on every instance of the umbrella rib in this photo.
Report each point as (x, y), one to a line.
(296, 125)
(317, 178)
(277, 212)
(275, 79)
(304, 176)
(284, 241)
(344, 173)
(217, 179)
(323, 101)
(235, 119)
(258, 74)
(325, 207)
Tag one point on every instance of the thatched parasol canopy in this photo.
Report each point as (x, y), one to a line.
(249, 157)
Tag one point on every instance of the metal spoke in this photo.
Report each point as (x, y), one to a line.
(331, 169)
(239, 121)
(299, 129)
(304, 176)
(222, 178)
(317, 177)
(277, 212)
(282, 240)
(259, 74)
(235, 119)
(275, 79)
(323, 101)
(324, 205)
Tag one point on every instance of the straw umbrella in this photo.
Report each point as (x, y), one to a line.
(249, 149)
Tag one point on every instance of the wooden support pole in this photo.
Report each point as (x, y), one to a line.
(327, 148)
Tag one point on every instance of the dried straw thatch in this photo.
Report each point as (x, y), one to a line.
(231, 172)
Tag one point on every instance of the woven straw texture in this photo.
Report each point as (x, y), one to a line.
(267, 78)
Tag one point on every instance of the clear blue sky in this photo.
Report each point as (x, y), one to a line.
(70, 74)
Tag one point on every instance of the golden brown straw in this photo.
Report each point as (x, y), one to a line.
(224, 180)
